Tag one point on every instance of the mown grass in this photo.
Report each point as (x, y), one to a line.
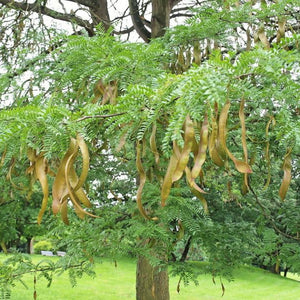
(118, 283)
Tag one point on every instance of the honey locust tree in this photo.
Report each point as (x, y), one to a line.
(204, 121)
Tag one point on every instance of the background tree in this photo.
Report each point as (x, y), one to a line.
(131, 106)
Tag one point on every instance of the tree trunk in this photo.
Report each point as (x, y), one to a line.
(151, 283)
(100, 14)
(30, 246)
(160, 20)
(3, 246)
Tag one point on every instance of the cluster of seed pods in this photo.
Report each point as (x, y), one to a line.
(212, 140)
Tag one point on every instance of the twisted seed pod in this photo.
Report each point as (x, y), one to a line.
(31, 154)
(9, 175)
(287, 174)
(71, 192)
(59, 187)
(267, 154)
(3, 158)
(153, 143)
(142, 178)
(41, 174)
(195, 148)
(191, 181)
(80, 194)
(245, 186)
(85, 162)
(241, 166)
(195, 192)
(201, 156)
(212, 150)
(167, 183)
(189, 135)
(176, 150)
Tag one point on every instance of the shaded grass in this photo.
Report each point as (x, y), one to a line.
(118, 283)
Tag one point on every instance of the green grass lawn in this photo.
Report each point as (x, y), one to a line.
(118, 283)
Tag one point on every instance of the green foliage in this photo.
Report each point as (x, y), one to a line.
(14, 267)
(239, 227)
(42, 245)
(117, 281)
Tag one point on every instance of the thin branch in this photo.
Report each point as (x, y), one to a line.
(181, 15)
(186, 250)
(101, 116)
(45, 11)
(137, 21)
(124, 31)
(37, 58)
(43, 269)
(242, 76)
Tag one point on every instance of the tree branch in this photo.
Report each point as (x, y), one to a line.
(186, 250)
(101, 116)
(37, 58)
(137, 21)
(88, 3)
(37, 8)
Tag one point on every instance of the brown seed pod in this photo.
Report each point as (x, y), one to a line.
(59, 187)
(287, 174)
(85, 162)
(71, 192)
(107, 91)
(167, 183)
(41, 174)
(153, 146)
(3, 158)
(82, 197)
(241, 166)
(191, 181)
(9, 175)
(245, 186)
(142, 179)
(267, 154)
(189, 135)
(195, 148)
(201, 198)
(201, 156)
(213, 141)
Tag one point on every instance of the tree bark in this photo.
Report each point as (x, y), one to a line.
(161, 10)
(137, 21)
(151, 282)
(3, 246)
(100, 13)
